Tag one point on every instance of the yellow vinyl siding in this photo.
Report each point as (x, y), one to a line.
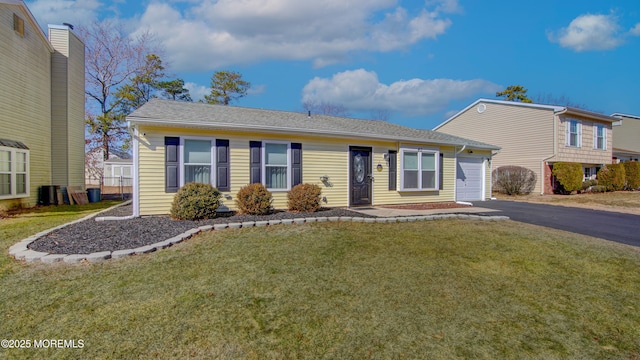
(525, 135)
(67, 118)
(320, 156)
(25, 84)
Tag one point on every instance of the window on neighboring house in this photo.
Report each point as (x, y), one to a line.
(574, 133)
(276, 166)
(599, 137)
(419, 169)
(197, 161)
(14, 172)
(18, 24)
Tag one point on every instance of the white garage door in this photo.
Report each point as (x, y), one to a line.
(469, 179)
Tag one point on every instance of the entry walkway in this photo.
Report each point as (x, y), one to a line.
(387, 212)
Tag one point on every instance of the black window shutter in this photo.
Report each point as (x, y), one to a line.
(440, 168)
(171, 164)
(255, 162)
(296, 164)
(393, 170)
(222, 165)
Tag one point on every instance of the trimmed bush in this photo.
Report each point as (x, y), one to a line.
(612, 177)
(632, 174)
(569, 176)
(254, 199)
(195, 201)
(513, 180)
(588, 185)
(304, 197)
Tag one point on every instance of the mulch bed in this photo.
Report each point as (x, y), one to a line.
(91, 236)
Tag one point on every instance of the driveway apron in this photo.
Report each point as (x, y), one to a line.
(614, 226)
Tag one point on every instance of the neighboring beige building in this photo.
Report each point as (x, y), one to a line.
(42, 106)
(355, 162)
(536, 136)
(626, 137)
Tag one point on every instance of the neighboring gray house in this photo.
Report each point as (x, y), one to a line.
(626, 137)
(536, 136)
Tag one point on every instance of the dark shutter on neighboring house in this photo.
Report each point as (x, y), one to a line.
(296, 164)
(393, 170)
(441, 167)
(255, 165)
(222, 165)
(171, 164)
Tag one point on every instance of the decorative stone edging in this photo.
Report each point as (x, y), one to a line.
(20, 251)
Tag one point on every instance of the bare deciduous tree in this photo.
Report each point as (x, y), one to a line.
(326, 108)
(112, 57)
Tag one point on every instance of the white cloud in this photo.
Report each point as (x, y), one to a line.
(197, 92)
(360, 90)
(76, 12)
(219, 33)
(447, 6)
(589, 32)
(635, 31)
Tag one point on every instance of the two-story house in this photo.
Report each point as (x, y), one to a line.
(536, 136)
(626, 135)
(41, 106)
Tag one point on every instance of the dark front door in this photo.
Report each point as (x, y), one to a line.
(360, 163)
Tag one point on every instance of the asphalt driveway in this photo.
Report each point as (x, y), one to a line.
(619, 227)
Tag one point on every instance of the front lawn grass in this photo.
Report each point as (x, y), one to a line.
(437, 289)
(617, 199)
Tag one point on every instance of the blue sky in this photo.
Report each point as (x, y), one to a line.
(419, 61)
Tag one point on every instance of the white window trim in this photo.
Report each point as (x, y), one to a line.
(212, 153)
(263, 163)
(568, 133)
(436, 153)
(12, 171)
(595, 137)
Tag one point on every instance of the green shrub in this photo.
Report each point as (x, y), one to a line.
(254, 199)
(588, 185)
(304, 197)
(569, 176)
(612, 177)
(598, 189)
(632, 174)
(195, 201)
(513, 180)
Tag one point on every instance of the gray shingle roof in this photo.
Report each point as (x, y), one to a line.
(198, 115)
(13, 144)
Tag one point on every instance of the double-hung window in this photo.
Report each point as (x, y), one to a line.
(197, 161)
(574, 133)
(599, 137)
(277, 163)
(419, 169)
(202, 160)
(14, 172)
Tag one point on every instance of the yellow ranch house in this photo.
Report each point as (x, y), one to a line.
(355, 162)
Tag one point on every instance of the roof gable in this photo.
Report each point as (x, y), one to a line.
(560, 110)
(198, 115)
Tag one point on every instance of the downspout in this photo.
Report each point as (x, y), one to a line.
(136, 171)
(555, 144)
(492, 154)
